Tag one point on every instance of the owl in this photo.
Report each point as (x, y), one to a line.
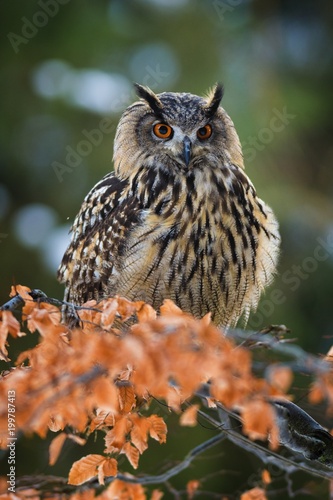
(178, 218)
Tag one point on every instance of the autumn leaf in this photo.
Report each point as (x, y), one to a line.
(280, 377)
(8, 325)
(157, 429)
(266, 477)
(124, 491)
(116, 437)
(109, 467)
(127, 398)
(56, 447)
(191, 488)
(259, 421)
(254, 494)
(85, 469)
(132, 454)
(189, 416)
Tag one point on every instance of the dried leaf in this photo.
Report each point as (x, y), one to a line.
(131, 453)
(259, 421)
(254, 494)
(109, 467)
(156, 495)
(191, 488)
(189, 417)
(127, 399)
(84, 469)
(158, 429)
(56, 447)
(124, 491)
(280, 377)
(266, 477)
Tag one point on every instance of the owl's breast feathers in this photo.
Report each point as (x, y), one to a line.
(204, 240)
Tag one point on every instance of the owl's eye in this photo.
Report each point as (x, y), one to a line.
(163, 131)
(204, 132)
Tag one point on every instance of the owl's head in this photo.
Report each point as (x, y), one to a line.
(175, 130)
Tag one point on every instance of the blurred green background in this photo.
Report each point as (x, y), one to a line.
(68, 64)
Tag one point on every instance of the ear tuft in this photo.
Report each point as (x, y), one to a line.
(148, 95)
(214, 100)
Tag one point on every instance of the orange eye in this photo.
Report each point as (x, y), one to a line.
(204, 132)
(162, 131)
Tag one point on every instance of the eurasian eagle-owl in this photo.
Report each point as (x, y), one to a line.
(178, 218)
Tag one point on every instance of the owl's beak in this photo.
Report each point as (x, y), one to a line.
(187, 149)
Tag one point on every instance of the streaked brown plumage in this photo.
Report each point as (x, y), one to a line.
(178, 218)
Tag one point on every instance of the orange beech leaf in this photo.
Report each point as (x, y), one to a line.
(126, 308)
(84, 469)
(139, 432)
(116, 437)
(189, 417)
(123, 491)
(131, 453)
(103, 418)
(109, 312)
(254, 494)
(266, 477)
(104, 394)
(259, 421)
(316, 394)
(169, 308)
(56, 423)
(8, 325)
(146, 313)
(126, 398)
(157, 429)
(156, 495)
(56, 447)
(191, 488)
(109, 467)
(280, 377)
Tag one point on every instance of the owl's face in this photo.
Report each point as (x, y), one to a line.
(175, 130)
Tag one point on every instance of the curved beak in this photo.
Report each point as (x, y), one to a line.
(187, 150)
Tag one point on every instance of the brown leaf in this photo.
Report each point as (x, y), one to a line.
(156, 495)
(8, 325)
(259, 421)
(116, 437)
(189, 417)
(131, 453)
(109, 467)
(266, 477)
(280, 377)
(158, 429)
(191, 488)
(127, 399)
(123, 491)
(254, 494)
(56, 447)
(84, 469)
(139, 432)
(146, 313)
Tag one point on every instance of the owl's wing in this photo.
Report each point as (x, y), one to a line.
(99, 230)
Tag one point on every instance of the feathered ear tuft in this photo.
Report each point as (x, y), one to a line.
(148, 95)
(214, 100)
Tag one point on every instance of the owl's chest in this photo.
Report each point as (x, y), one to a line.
(193, 239)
